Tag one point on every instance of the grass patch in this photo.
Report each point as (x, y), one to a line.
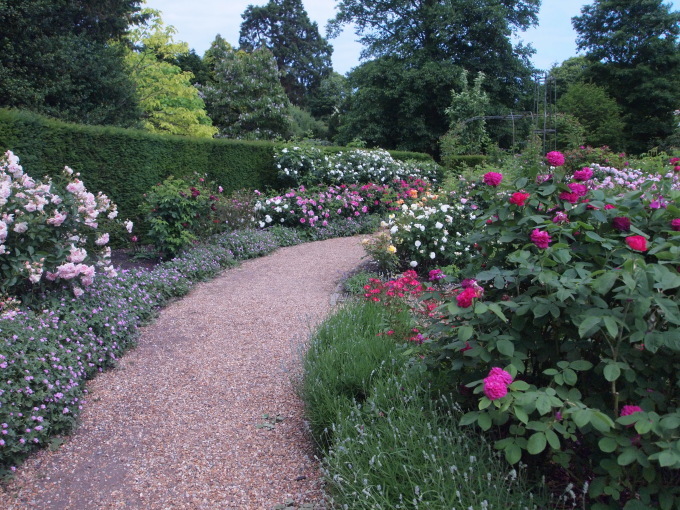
(389, 441)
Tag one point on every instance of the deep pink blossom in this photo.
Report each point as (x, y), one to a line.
(572, 198)
(555, 158)
(621, 223)
(585, 174)
(464, 299)
(493, 178)
(628, 410)
(496, 383)
(540, 238)
(578, 189)
(518, 198)
(637, 243)
(675, 224)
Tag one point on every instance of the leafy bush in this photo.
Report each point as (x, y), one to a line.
(308, 165)
(388, 443)
(48, 232)
(567, 342)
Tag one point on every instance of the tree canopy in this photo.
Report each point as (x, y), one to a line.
(56, 59)
(169, 101)
(419, 49)
(246, 99)
(302, 55)
(632, 50)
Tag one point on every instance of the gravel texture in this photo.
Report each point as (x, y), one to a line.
(180, 423)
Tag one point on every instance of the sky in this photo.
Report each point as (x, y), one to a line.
(198, 22)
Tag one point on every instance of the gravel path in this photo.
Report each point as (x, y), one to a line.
(179, 424)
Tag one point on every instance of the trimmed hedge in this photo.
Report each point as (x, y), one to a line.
(463, 162)
(126, 163)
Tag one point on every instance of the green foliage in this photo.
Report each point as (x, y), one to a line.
(418, 50)
(246, 99)
(596, 111)
(632, 51)
(381, 251)
(467, 126)
(127, 163)
(387, 441)
(303, 125)
(56, 59)
(586, 323)
(167, 97)
(355, 284)
(302, 56)
(462, 163)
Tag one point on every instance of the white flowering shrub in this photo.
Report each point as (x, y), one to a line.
(309, 166)
(48, 232)
(432, 232)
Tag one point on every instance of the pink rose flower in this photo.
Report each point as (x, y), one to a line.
(637, 243)
(621, 223)
(578, 189)
(465, 298)
(540, 238)
(675, 224)
(585, 174)
(493, 178)
(572, 198)
(496, 383)
(519, 198)
(555, 158)
(628, 410)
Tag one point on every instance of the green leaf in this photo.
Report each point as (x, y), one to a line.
(481, 308)
(594, 237)
(495, 308)
(519, 386)
(536, 443)
(570, 377)
(612, 372)
(521, 414)
(543, 404)
(505, 347)
(608, 444)
(628, 456)
(668, 458)
(580, 365)
(604, 283)
(612, 327)
(553, 439)
(469, 418)
(582, 417)
(588, 324)
(513, 453)
(484, 421)
(465, 333)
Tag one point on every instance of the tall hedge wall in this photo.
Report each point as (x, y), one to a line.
(126, 163)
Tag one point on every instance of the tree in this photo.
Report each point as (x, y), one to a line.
(413, 37)
(568, 73)
(247, 100)
(596, 111)
(467, 133)
(170, 103)
(632, 49)
(56, 58)
(302, 55)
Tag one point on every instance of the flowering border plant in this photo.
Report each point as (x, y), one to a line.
(569, 346)
(49, 232)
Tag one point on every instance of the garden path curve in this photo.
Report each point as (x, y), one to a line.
(179, 423)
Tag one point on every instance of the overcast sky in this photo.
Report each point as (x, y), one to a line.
(197, 22)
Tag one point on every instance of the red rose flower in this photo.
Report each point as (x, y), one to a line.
(675, 224)
(637, 243)
(465, 298)
(519, 198)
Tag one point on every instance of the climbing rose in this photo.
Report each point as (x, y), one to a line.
(496, 383)
(637, 243)
(585, 174)
(628, 410)
(493, 178)
(555, 158)
(675, 224)
(519, 198)
(621, 223)
(540, 238)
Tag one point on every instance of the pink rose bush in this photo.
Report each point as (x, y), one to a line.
(45, 229)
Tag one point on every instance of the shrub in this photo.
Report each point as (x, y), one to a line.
(48, 232)
(568, 342)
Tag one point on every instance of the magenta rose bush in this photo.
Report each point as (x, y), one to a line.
(569, 351)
